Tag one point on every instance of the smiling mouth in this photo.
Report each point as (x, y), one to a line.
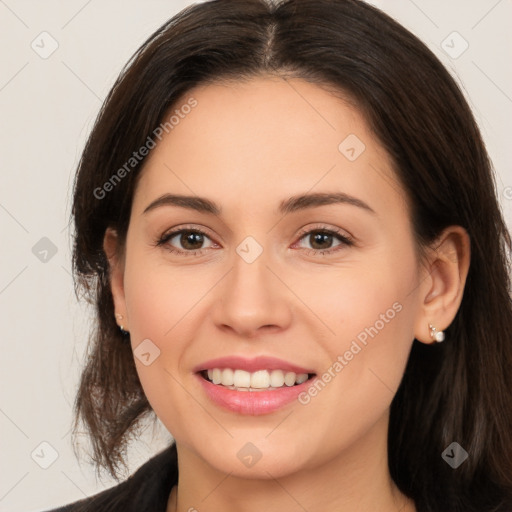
(261, 380)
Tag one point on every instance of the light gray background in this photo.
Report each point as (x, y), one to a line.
(47, 108)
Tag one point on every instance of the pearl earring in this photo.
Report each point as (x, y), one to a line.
(436, 335)
(120, 317)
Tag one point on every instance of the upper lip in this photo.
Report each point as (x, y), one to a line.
(251, 364)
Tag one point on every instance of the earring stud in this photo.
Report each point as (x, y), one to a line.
(436, 335)
(120, 317)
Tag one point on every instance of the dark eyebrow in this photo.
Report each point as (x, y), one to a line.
(290, 205)
(320, 199)
(199, 204)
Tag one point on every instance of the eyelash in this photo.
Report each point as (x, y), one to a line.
(345, 240)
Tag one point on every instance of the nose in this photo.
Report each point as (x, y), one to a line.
(252, 300)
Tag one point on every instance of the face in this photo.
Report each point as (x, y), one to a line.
(268, 285)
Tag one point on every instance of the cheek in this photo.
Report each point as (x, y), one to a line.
(370, 313)
(164, 306)
(159, 296)
(362, 303)
(372, 317)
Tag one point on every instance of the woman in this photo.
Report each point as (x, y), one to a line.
(286, 217)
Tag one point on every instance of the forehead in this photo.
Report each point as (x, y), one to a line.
(267, 136)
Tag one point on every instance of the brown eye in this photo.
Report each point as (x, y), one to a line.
(185, 241)
(191, 240)
(320, 240)
(324, 241)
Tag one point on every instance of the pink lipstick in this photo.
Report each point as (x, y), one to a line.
(254, 386)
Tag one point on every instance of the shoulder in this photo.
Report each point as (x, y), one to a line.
(147, 489)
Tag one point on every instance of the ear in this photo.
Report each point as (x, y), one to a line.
(115, 255)
(443, 280)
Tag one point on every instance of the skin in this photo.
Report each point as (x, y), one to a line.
(248, 146)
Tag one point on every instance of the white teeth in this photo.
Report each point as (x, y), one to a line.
(255, 381)
(260, 379)
(302, 377)
(276, 378)
(217, 376)
(289, 378)
(241, 379)
(227, 377)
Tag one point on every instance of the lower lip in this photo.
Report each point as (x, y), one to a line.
(253, 403)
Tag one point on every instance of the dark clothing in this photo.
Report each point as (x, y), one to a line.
(146, 490)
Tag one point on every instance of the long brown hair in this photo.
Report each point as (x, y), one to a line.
(457, 391)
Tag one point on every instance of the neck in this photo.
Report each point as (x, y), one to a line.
(355, 480)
